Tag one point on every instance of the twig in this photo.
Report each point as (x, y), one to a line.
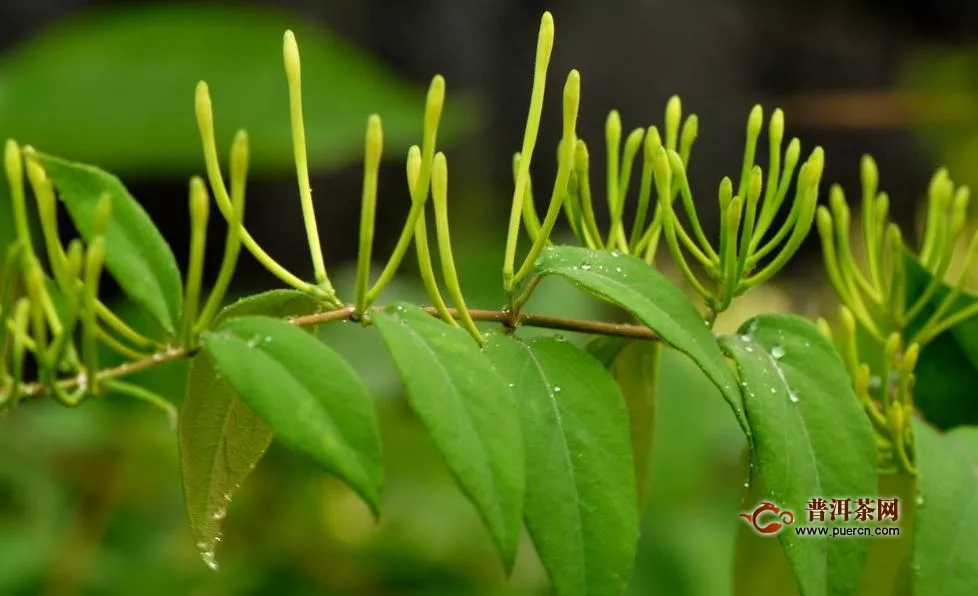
(348, 312)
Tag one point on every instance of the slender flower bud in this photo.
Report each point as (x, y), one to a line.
(674, 113)
(688, 136)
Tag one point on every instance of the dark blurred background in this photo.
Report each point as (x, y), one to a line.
(90, 499)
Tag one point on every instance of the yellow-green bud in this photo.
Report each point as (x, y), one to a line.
(674, 113)
(869, 175)
(882, 206)
(203, 109)
(572, 101)
(891, 347)
(652, 142)
(545, 39)
(413, 166)
(660, 164)
(581, 158)
(895, 418)
(434, 103)
(725, 193)
(375, 142)
(754, 122)
(792, 153)
(199, 203)
(816, 164)
(910, 357)
(823, 219)
(754, 187)
(848, 321)
(776, 127)
(824, 328)
(837, 200)
(633, 141)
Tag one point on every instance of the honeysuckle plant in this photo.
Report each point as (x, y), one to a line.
(542, 431)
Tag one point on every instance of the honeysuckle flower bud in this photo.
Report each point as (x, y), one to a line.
(688, 136)
(674, 113)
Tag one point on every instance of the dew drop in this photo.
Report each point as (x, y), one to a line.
(749, 349)
(777, 352)
(585, 267)
(556, 388)
(254, 341)
(559, 337)
(220, 513)
(919, 500)
(617, 269)
(615, 254)
(745, 338)
(773, 390)
(792, 397)
(875, 382)
(209, 559)
(511, 385)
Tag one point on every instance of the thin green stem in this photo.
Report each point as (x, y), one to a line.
(572, 99)
(582, 166)
(205, 124)
(425, 266)
(530, 217)
(13, 163)
(142, 394)
(293, 72)
(612, 136)
(439, 196)
(373, 149)
(232, 245)
(199, 214)
(419, 194)
(94, 259)
(679, 173)
(545, 42)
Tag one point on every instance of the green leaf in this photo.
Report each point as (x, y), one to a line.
(634, 365)
(636, 372)
(115, 87)
(647, 294)
(467, 409)
(136, 254)
(947, 370)
(221, 439)
(306, 392)
(580, 503)
(811, 439)
(945, 553)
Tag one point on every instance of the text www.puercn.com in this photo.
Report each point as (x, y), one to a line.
(839, 532)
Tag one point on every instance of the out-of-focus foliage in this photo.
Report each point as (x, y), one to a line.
(115, 88)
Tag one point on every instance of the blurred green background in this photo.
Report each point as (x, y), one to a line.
(90, 499)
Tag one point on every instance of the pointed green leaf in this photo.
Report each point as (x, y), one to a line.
(467, 409)
(945, 552)
(306, 392)
(136, 254)
(116, 87)
(811, 439)
(634, 365)
(580, 504)
(636, 372)
(221, 439)
(947, 370)
(631, 284)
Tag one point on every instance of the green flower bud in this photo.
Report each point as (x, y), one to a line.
(869, 176)
(674, 113)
